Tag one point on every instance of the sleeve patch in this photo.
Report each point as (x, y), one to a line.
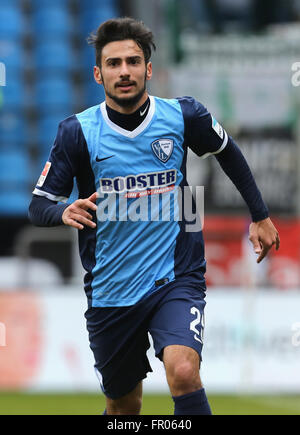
(44, 174)
(218, 128)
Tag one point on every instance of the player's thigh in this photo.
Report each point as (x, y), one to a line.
(119, 341)
(179, 320)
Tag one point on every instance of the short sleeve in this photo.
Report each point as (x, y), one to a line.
(56, 179)
(203, 133)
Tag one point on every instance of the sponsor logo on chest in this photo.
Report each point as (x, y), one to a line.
(138, 182)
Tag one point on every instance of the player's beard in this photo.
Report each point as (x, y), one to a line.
(126, 102)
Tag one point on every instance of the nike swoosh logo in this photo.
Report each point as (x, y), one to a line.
(143, 113)
(105, 158)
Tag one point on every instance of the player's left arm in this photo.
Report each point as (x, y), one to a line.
(206, 137)
(262, 232)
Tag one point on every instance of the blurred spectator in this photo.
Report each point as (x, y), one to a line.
(296, 9)
(234, 13)
(272, 11)
(201, 14)
(125, 7)
(220, 16)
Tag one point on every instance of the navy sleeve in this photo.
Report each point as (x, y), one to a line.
(237, 169)
(56, 180)
(45, 213)
(203, 134)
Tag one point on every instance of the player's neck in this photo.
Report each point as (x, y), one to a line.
(126, 110)
(129, 121)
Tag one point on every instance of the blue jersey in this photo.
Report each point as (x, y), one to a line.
(131, 254)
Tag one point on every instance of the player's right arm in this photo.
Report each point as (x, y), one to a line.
(68, 159)
(76, 215)
(46, 213)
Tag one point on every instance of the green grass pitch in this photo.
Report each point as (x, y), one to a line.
(93, 404)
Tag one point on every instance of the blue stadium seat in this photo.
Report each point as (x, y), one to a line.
(91, 19)
(42, 4)
(97, 4)
(54, 55)
(11, 3)
(12, 22)
(12, 130)
(93, 93)
(47, 129)
(88, 61)
(13, 93)
(15, 168)
(52, 21)
(54, 93)
(12, 55)
(14, 203)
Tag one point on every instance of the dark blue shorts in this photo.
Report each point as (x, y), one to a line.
(118, 336)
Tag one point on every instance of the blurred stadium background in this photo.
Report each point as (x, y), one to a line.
(236, 57)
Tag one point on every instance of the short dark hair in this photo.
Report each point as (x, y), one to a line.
(120, 29)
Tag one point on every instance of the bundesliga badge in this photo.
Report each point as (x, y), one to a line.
(163, 149)
(44, 174)
(217, 127)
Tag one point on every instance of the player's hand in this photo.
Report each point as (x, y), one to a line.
(77, 216)
(263, 235)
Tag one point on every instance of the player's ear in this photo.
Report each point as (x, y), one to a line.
(149, 71)
(98, 75)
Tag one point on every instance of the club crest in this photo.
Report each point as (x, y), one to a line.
(163, 149)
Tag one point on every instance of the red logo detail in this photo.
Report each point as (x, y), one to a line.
(46, 169)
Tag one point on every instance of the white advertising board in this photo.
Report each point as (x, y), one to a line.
(251, 342)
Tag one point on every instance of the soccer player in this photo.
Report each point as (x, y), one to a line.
(142, 275)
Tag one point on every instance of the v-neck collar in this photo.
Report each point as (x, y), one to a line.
(134, 133)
